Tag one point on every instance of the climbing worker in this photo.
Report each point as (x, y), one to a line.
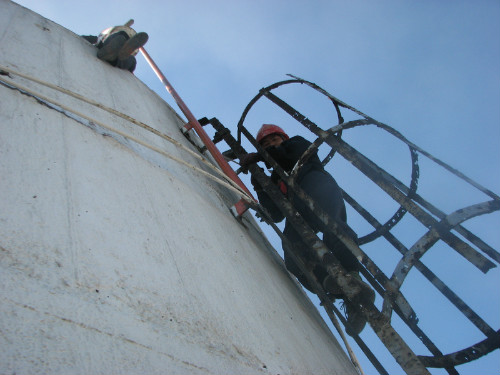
(118, 45)
(323, 189)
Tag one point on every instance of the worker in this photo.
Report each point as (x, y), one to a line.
(118, 45)
(323, 189)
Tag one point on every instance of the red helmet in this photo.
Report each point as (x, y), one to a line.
(268, 129)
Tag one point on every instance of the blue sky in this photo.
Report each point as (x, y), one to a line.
(430, 69)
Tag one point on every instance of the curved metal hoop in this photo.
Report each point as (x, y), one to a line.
(401, 211)
(438, 229)
(460, 357)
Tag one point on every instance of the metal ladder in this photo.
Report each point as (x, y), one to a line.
(439, 226)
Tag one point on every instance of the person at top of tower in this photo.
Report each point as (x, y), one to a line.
(323, 189)
(118, 45)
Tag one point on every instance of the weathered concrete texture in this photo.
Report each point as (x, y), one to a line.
(117, 260)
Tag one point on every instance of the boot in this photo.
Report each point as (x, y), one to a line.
(367, 294)
(134, 43)
(331, 286)
(111, 47)
(355, 319)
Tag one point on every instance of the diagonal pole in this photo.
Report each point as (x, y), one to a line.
(239, 207)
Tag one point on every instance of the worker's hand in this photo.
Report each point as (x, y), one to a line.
(248, 160)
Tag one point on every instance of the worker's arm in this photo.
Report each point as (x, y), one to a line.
(289, 152)
(267, 202)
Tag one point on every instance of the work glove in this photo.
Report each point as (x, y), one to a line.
(248, 160)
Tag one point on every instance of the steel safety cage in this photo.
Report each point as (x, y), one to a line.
(440, 227)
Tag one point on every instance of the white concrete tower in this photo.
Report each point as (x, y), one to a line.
(117, 259)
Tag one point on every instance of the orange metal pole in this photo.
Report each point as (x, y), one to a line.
(193, 123)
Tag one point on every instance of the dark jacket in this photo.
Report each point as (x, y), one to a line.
(289, 152)
(286, 155)
(323, 189)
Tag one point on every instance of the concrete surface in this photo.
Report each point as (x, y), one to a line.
(115, 259)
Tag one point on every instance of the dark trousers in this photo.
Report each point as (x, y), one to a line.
(323, 189)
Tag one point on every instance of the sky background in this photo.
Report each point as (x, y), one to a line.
(430, 69)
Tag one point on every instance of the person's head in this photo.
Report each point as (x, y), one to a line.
(271, 135)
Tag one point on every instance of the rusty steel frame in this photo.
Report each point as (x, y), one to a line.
(439, 228)
(387, 183)
(379, 322)
(351, 286)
